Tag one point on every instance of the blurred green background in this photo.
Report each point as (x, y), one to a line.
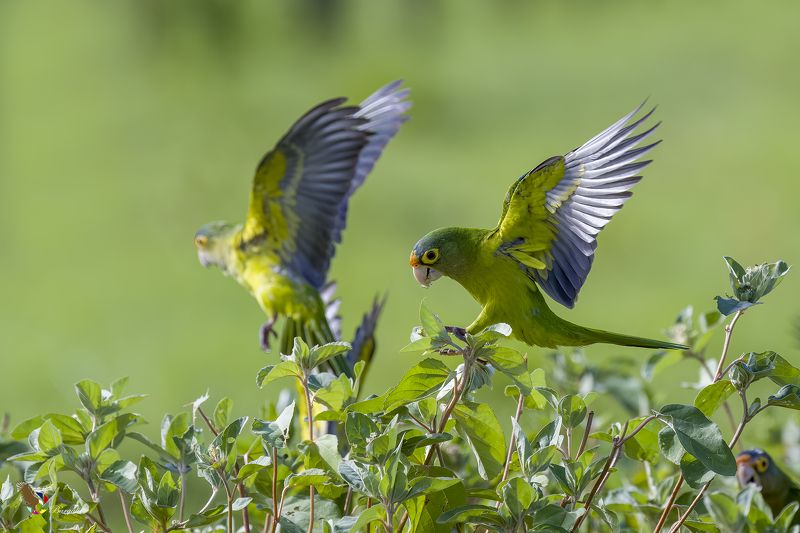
(124, 126)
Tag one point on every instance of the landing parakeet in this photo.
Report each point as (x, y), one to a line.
(777, 488)
(545, 239)
(297, 211)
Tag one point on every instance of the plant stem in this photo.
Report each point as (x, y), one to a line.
(511, 443)
(100, 523)
(183, 496)
(239, 485)
(230, 503)
(311, 509)
(586, 432)
(670, 502)
(458, 390)
(728, 333)
(717, 376)
(616, 450)
(734, 439)
(274, 488)
(125, 512)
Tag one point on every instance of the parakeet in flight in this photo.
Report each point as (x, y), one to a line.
(545, 240)
(777, 489)
(297, 211)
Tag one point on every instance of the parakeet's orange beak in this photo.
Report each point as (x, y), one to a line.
(744, 471)
(423, 274)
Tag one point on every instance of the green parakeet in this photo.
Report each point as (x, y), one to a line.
(777, 489)
(545, 239)
(297, 211)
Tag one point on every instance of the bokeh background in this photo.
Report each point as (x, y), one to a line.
(126, 125)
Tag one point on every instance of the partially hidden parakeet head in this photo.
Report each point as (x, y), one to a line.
(443, 252)
(213, 242)
(756, 466)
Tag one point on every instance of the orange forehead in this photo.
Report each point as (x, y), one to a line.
(414, 260)
(743, 458)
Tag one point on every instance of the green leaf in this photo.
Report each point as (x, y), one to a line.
(122, 474)
(724, 511)
(507, 360)
(694, 472)
(427, 485)
(89, 394)
(48, 439)
(360, 429)
(421, 381)
(473, 514)
(240, 503)
(788, 396)
(172, 427)
(284, 369)
(101, 438)
(478, 424)
(670, 446)
(70, 429)
(319, 354)
(376, 512)
(644, 445)
(432, 325)
(700, 437)
(361, 477)
(276, 433)
(518, 496)
(713, 396)
(222, 412)
(572, 410)
(729, 306)
(24, 428)
(312, 476)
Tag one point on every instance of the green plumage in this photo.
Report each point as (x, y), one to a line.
(545, 239)
(777, 488)
(297, 212)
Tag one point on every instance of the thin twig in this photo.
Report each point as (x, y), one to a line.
(125, 511)
(230, 503)
(99, 523)
(726, 344)
(734, 439)
(586, 431)
(458, 389)
(511, 442)
(717, 376)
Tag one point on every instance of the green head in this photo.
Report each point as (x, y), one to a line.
(756, 466)
(443, 252)
(213, 242)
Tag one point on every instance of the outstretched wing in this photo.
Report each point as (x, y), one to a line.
(552, 215)
(298, 202)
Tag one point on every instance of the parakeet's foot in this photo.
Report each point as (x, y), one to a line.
(461, 333)
(265, 332)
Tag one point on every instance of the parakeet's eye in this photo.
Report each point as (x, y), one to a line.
(431, 256)
(201, 241)
(761, 464)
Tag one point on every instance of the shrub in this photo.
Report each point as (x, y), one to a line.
(426, 455)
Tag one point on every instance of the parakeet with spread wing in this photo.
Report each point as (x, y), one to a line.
(297, 211)
(545, 240)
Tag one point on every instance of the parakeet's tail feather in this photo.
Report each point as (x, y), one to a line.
(364, 340)
(607, 337)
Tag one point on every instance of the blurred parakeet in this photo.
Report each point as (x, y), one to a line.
(297, 211)
(545, 239)
(777, 489)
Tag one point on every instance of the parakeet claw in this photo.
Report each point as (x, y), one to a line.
(461, 333)
(265, 332)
